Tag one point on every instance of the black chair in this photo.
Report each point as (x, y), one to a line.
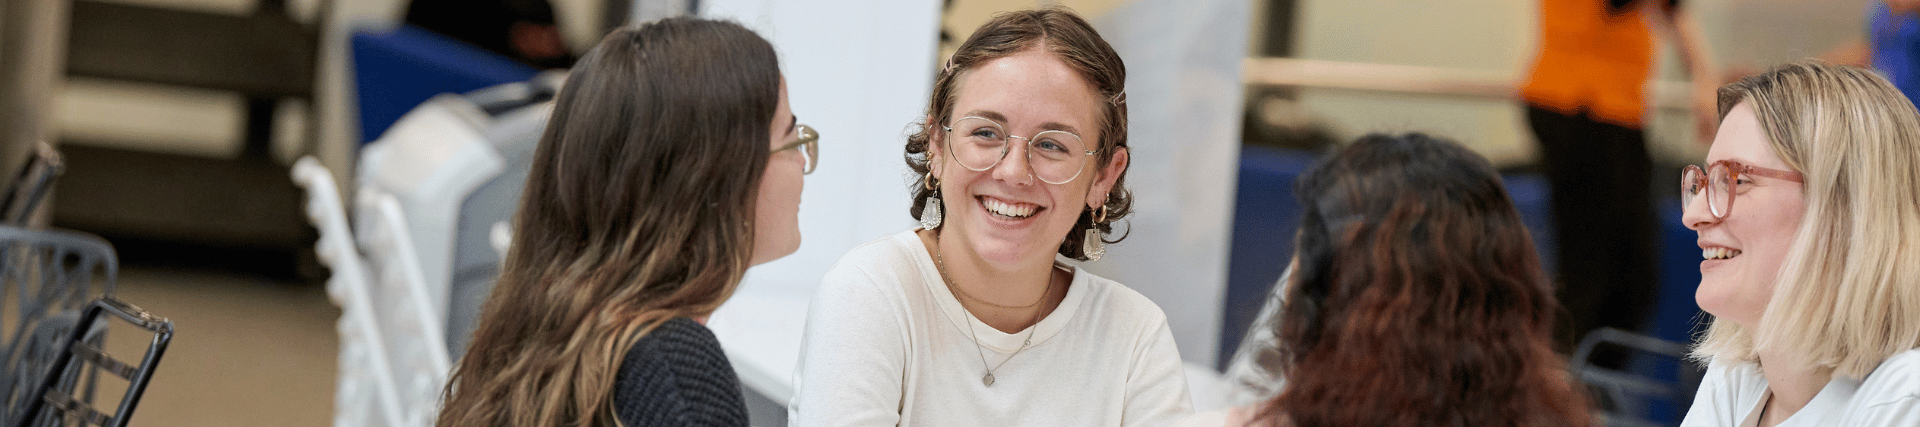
(61, 399)
(46, 279)
(1628, 395)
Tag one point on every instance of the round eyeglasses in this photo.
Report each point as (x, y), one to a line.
(1055, 156)
(1717, 182)
(809, 145)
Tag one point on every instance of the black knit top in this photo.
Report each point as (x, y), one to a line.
(678, 376)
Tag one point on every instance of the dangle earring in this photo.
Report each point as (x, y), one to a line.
(930, 215)
(1092, 246)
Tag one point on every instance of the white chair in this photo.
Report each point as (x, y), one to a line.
(392, 358)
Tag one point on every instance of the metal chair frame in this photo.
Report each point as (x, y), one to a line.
(55, 394)
(30, 187)
(46, 279)
(1619, 387)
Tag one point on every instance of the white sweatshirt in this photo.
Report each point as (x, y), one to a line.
(887, 344)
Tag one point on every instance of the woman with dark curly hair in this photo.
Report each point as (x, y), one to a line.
(1416, 300)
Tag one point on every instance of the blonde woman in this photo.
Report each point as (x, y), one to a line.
(1808, 212)
(671, 164)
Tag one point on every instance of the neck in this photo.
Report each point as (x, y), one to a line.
(1002, 298)
(1792, 380)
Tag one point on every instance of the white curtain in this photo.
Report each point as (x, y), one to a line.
(1184, 97)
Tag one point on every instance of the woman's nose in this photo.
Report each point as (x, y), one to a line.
(1694, 212)
(1014, 167)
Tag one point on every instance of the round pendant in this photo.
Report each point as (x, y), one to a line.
(988, 380)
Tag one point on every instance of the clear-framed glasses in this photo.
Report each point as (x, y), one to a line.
(808, 144)
(1056, 156)
(1718, 180)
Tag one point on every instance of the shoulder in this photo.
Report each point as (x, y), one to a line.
(893, 255)
(1108, 295)
(893, 248)
(1728, 391)
(675, 375)
(676, 335)
(881, 271)
(1123, 316)
(1736, 375)
(1895, 382)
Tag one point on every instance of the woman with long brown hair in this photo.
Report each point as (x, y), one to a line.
(671, 164)
(971, 319)
(1416, 299)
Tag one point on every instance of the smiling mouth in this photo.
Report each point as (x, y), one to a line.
(1011, 211)
(1719, 253)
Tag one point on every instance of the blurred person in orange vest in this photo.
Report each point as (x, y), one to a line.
(1586, 100)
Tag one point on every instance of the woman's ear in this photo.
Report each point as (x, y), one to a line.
(1109, 174)
(935, 147)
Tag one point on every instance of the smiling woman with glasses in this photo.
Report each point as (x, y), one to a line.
(972, 318)
(672, 163)
(1814, 281)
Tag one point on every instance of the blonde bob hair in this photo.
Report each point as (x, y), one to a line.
(1848, 294)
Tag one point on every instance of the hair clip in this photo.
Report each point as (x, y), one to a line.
(1118, 98)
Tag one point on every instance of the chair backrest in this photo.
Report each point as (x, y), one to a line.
(46, 278)
(61, 399)
(393, 359)
(1653, 381)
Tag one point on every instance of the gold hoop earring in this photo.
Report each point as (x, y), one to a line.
(1091, 246)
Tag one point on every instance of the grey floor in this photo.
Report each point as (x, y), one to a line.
(247, 350)
(250, 350)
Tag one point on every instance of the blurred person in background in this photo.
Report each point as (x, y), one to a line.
(671, 164)
(1586, 105)
(1415, 299)
(523, 30)
(1809, 226)
(971, 319)
(1891, 44)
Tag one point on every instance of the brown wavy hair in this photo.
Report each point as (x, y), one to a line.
(1067, 36)
(639, 208)
(1418, 300)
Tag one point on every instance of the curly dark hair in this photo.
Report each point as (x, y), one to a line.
(1064, 34)
(1418, 299)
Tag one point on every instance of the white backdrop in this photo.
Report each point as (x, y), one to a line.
(1183, 95)
(859, 71)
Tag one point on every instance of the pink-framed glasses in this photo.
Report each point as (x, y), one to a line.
(1718, 180)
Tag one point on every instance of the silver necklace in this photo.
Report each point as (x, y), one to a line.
(987, 379)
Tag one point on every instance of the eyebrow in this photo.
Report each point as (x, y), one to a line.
(997, 117)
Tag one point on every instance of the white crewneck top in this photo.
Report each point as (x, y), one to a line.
(887, 343)
(1732, 393)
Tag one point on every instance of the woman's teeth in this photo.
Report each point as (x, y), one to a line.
(1719, 253)
(1010, 210)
